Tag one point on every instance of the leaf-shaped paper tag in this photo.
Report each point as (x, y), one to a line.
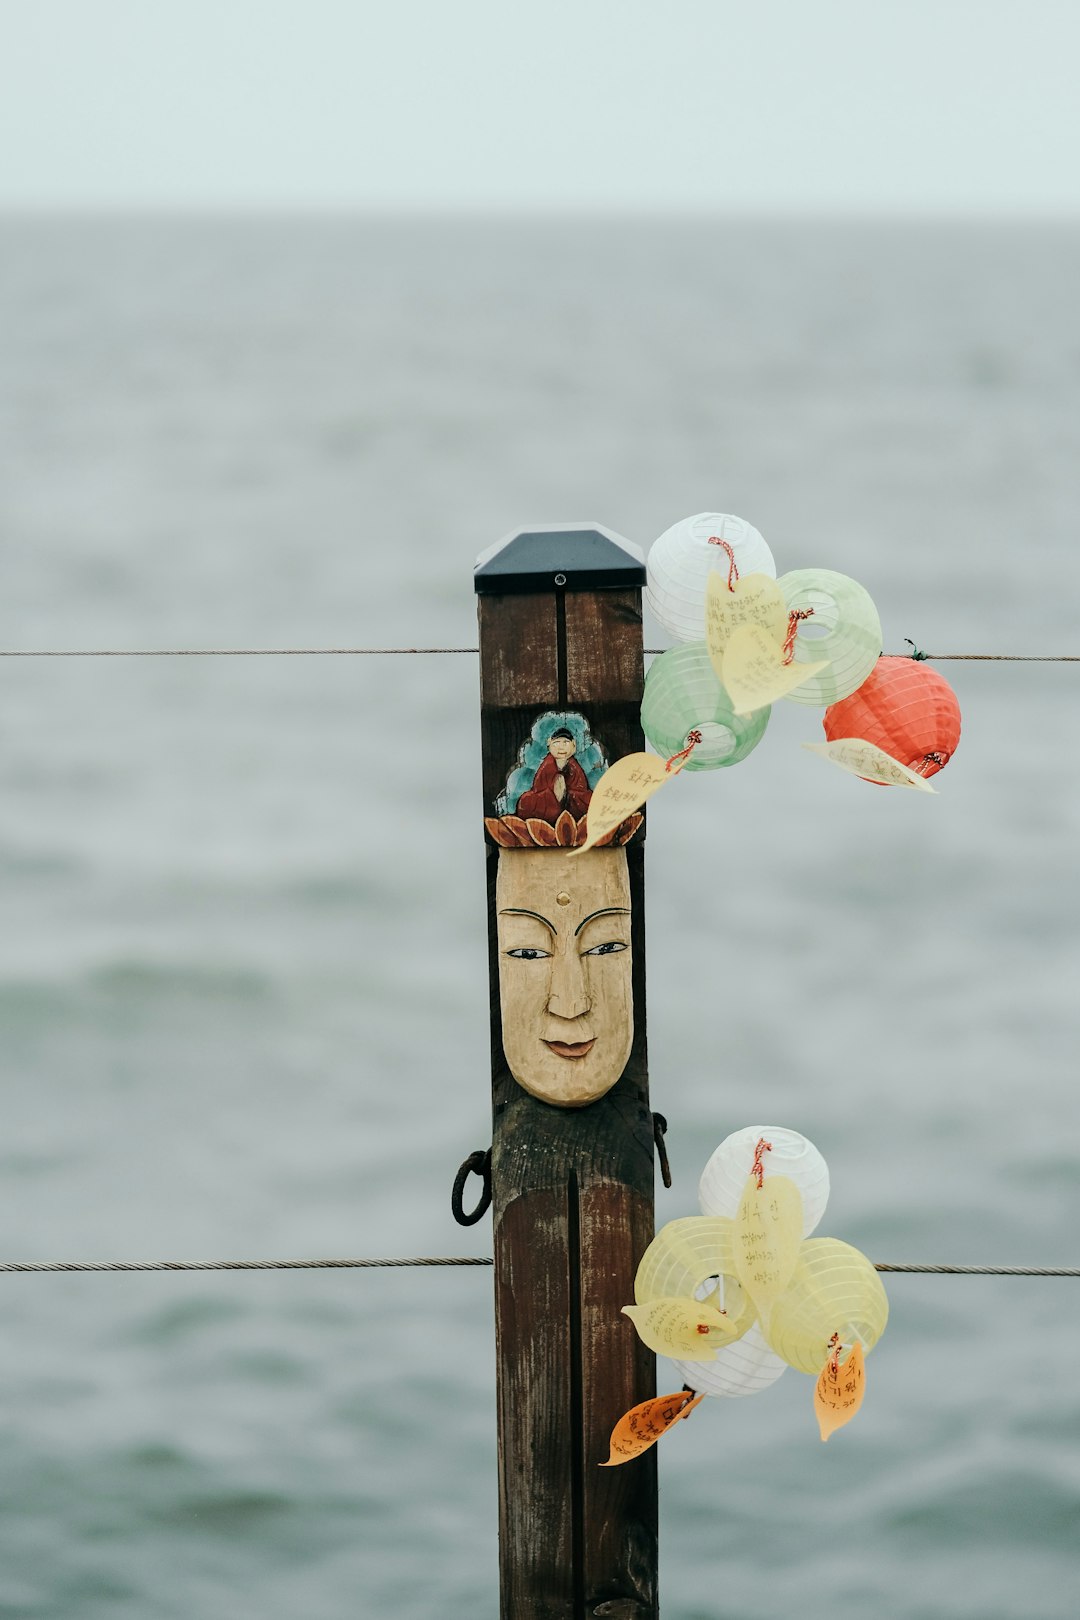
(754, 672)
(756, 599)
(768, 1236)
(866, 759)
(623, 788)
(643, 1425)
(840, 1390)
(683, 1329)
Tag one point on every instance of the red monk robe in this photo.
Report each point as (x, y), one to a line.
(540, 800)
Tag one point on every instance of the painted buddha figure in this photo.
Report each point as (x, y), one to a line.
(559, 784)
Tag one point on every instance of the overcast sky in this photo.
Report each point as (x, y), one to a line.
(884, 106)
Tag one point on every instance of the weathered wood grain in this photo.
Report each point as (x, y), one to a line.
(572, 1188)
(605, 660)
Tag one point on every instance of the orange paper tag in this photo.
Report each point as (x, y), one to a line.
(622, 789)
(643, 1425)
(840, 1391)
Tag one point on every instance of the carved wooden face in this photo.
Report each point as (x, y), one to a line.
(565, 971)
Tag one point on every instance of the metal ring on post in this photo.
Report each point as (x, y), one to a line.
(477, 1164)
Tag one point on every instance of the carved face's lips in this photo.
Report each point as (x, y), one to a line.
(571, 1049)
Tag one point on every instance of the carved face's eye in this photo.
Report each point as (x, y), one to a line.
(526, 953)
(608, 948)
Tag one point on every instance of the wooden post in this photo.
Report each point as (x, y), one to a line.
(572, 1187)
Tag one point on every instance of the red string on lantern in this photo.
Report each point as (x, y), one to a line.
(794, 619)
(733, 567)
(758, 1167)
(692, 740)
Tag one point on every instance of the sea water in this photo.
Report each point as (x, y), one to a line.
(243, 997)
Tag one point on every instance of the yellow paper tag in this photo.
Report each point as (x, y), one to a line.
(643, 1425)
(866, 759)
(768, 1235)
(684, 1329)
(754, 672)
(840, 1390)
(622, 789)
(756, 599)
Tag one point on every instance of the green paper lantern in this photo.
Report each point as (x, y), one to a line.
(683, 694)
(844, 628)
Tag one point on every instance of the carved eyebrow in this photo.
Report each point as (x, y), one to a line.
(518, 911)
(607, 911)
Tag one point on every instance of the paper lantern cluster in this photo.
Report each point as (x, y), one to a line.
(812, 636)
(738, 1294)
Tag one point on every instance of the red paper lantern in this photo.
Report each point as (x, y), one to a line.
(905, 708)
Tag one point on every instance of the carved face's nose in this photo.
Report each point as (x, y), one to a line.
(568, 996)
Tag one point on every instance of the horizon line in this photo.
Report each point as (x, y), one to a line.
(493, 212)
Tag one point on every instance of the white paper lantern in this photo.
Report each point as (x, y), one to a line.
(742, 1368)
(723, 1181)
(680, 562)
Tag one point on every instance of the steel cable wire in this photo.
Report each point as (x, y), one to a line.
(61, 1266)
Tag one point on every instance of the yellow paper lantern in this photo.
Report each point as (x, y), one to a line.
(834, 1289)
(682, 1259)
(682, 1254)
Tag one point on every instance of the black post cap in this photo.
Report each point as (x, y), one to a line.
(565, 556)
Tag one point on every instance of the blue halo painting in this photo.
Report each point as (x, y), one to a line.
(545, 803)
